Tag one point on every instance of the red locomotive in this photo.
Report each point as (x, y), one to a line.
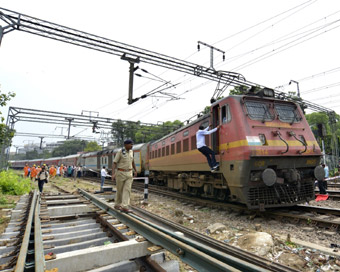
(267, 153)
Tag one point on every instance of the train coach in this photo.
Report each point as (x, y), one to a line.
(93, 162)
(267, 153)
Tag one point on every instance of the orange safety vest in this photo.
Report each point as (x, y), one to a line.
(26, 171)
(33, 172)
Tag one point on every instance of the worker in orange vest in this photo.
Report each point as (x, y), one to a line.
(33, 172)
(26, 170)
(52, 171)
(61, 170)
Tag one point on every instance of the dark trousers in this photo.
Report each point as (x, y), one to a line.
(321, 185)
(209, 154)
(102, 181)
(41, 184)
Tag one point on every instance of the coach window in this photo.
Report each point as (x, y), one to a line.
(172, 139)
(193, 142)
(163, 151)
(178, 147)
(185, 145)
(225, 114)
(167, 150)
(159, 153)
(155, 153)
(186, 133)
(172, 149)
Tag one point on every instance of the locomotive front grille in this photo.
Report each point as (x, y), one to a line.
(280, 195)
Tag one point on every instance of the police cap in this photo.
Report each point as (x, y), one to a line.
(128, 141)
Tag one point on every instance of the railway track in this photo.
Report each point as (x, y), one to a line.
(70, 232)
(308, 215)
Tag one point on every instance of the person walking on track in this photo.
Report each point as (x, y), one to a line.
(122, 170)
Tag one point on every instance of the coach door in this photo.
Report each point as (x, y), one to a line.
(215, 139)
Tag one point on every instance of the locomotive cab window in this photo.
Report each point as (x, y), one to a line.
(287, 113)
(259, 111)
(225, 114)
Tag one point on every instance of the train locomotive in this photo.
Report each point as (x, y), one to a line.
(267, 153)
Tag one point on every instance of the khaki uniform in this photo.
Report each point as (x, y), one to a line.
(124, 176)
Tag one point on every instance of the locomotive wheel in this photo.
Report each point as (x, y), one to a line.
(194, 191)
(221, 194)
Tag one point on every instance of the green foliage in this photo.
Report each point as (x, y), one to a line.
(139, 133)
(12, 184)
(30, 155)
(316, 118)
(46, 154)
(238, 90)
(5, 133)
(92, 146)
(3, 200)
(69, 148)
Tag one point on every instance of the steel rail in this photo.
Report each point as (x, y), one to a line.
(39, 260)
(21, 261)
(218, 245)
(182, 247)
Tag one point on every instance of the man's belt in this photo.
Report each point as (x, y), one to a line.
(124, 170)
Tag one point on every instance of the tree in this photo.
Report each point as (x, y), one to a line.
(6, 134)
(238, 90)
(141, 133)
(69, 148)
(316, 118)
(92, 146)
(30, 155)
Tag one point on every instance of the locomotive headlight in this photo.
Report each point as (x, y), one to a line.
(268, 92)
(263, 139)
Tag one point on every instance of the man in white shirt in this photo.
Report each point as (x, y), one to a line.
(103, 174)
(206, 151)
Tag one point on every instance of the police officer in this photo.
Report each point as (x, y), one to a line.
(122, 171)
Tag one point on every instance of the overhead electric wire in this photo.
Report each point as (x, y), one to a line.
(266, 28)
(283, 48)
(280, 39)
(264, 21)
(303, 5)
(321, 88)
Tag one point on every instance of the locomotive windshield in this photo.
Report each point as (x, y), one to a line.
(259, 111)
(287, 113)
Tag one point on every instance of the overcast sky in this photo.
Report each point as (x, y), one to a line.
(268, 42)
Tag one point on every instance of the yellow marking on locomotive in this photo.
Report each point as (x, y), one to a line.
(259, 150)
(311, 162)
(274, 125)
(259, 163)
(244, 143)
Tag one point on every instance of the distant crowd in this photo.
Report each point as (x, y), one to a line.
(54, 170)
